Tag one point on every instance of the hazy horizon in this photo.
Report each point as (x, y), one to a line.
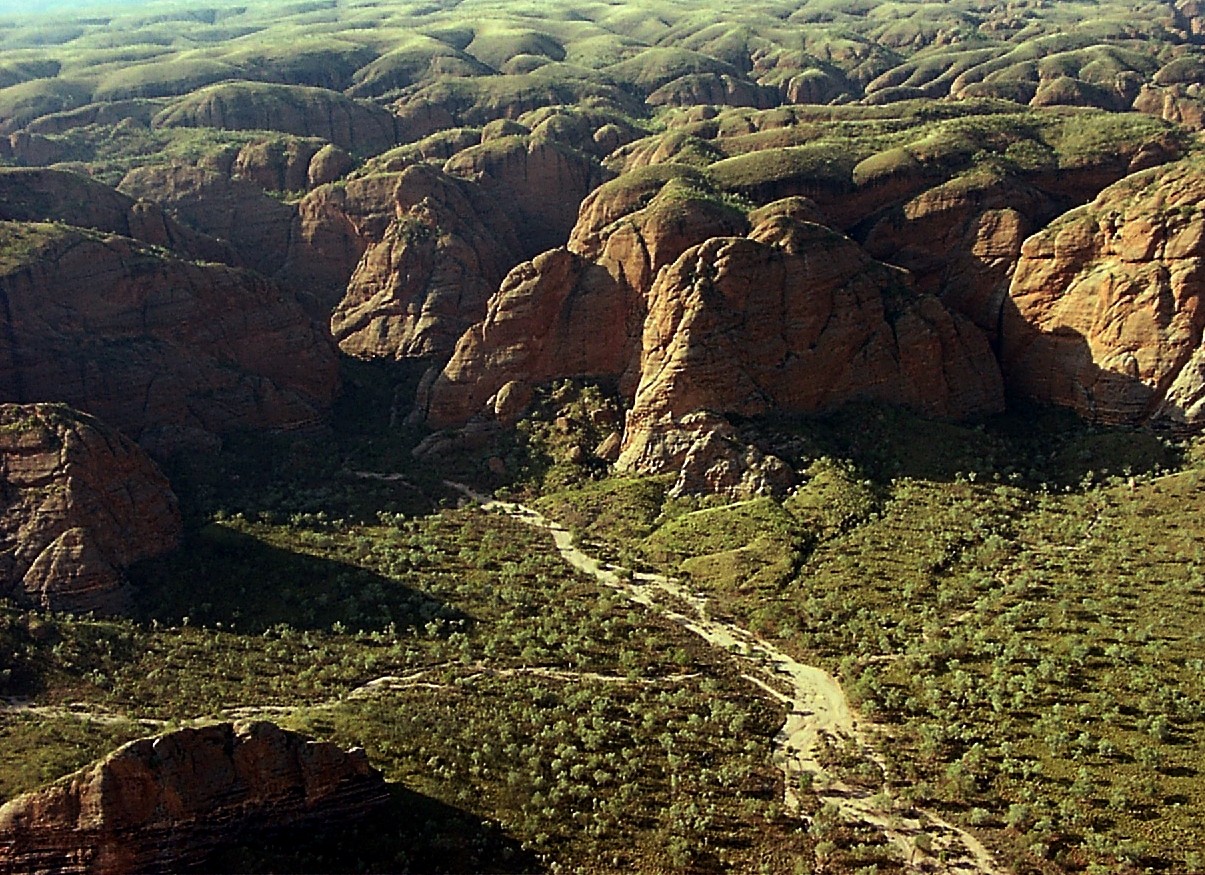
(36, 7)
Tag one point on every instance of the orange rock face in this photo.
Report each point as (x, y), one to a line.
(577, 311)
(795, 318)
(81, 502)
(417, 288)
(1105, 312)
(164, 804)
(145, 341)
(235, 211)
(541, 181)
(333, 227)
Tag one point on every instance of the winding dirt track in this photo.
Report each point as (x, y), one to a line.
(817, 709)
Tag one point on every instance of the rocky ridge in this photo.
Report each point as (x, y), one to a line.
(151, 342)
(1105, 311)
(794, 318)
(577, 310)
(165, 804)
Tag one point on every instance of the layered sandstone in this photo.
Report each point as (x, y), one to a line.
(541, 181)
(960, 240)
(1105, 312)
(80, 503)
(332, 229)
(357, 126)
(794, 318)
(147, 341)
(427, 279)
(578, 311)
(43, 195)
(235, 211)
(166, 804)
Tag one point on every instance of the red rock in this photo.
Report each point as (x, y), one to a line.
(145, 340)
(333, 227)
(116, 112)
(1105, 312)
(427, 280)
(328, 164)
(357, 126)
(540, 180)
(578, 312)
(795, 319)
(40, 194)
(608, 448)
(235, 211)
(165, 804)
(278, 164)
(715, 89)
(35, 150)
(81, 503)
(1174, 104)
(961, 240)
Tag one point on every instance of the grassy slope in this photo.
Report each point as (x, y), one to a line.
(1022, 623)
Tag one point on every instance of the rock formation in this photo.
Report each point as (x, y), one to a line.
(165, 804)
(44, 195)
(79, 503)
(333, 227)
(960, 240)
(542, 181)
(145, 340)
(795, 318)
(235, 211)
(578, 311)
(714, 88)
(427, 279)
(1105, 312)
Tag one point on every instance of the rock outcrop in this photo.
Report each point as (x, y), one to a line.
(797, 319)
(427, 279)
(235, 211)
(79, 503)
(961, 240)
(144, 340)
(542, 181)
(1106, 308)
(715, 89)
(165, 804)
(1184, 105)
(578, 311)
(333, 227)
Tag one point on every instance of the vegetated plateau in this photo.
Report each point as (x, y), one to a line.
(837, 367)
